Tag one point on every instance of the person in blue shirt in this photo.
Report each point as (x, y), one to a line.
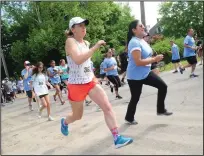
(176, 57)
(139, 71)
(111, 69)
(103, 73)
(189, 52)
(54, 75)
(26, 73)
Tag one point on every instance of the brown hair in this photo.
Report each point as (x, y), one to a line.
(35, 70)
(68, 33)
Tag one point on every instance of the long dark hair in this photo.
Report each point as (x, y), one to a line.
(130, 34)
(35, 70)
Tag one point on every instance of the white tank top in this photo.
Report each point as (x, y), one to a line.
(80, 74)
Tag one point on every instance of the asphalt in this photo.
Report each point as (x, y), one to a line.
(23, 132)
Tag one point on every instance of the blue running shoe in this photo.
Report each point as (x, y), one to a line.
(64, 128)
(122, 141)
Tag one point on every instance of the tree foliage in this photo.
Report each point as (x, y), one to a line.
(35, 30)
(177, 17)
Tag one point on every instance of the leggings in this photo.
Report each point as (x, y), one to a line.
(136, 89)
(115, 80)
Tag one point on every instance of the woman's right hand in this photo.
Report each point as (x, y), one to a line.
(100, 43)
(159, 58)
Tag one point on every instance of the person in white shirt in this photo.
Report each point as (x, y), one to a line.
(38, 82)
(20, 85)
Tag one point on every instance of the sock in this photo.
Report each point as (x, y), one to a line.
(115, 134)
(65, 124)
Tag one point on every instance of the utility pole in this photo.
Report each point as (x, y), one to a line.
(4, 63)
(142, 9)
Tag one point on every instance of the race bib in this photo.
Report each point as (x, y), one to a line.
(40, 83)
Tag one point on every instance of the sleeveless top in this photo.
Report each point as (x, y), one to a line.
(65, 74)
(80, 74)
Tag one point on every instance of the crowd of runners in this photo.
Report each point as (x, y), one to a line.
(76, 78)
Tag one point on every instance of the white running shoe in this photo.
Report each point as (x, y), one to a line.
(40, 113)
(50, 118)
(98, 109)
(30, 107)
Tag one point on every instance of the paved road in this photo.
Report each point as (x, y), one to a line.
(23, 133)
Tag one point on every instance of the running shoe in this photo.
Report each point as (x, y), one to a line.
(50, 118)
(122, 141)
(166, 113)
(64, 128)
(134, 122)
(193, 75)
(181, 70)
(40, 112)
(176, 71)
(30, 107)
(88, 102)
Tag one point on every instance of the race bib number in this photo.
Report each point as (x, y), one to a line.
(40, 83)
(87, 70)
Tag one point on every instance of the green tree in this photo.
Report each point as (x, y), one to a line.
(37, 28)
(177, 17)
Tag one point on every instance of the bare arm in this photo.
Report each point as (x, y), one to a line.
(136, 54)
(49, 84)
(50, 74)
(77, 56)
(26, 74)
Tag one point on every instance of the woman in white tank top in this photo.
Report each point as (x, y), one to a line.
(82, 81)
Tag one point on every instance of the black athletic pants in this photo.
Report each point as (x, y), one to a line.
(136, 89)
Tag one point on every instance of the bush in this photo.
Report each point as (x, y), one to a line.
(163, 47)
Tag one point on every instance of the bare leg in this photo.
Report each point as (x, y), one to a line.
(175, 66)
(77, 112)
(98, 95)
(58, 92)
(47, 99)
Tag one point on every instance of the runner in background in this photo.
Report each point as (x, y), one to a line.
(53, 73)
(176, 57)
(39, 82)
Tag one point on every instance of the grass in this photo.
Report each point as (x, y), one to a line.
(170, 66)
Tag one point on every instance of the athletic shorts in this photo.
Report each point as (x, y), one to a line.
(64, 79)
(115, 80)
(41, 96)
(78, 92)
(56, 84)
(175, 61)
(103, 75)
(123, 67)
(191, 60)
(29, 94)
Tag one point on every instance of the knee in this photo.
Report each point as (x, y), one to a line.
(107, 109)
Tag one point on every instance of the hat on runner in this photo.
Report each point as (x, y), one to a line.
(26, 62)
(77, 20)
